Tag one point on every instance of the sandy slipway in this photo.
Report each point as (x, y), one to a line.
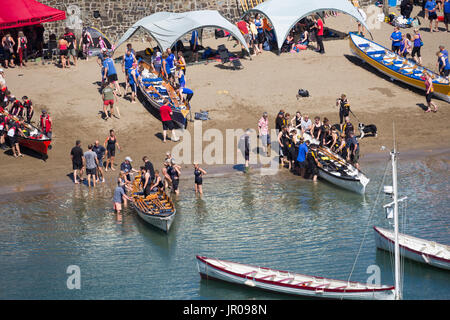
(235, 99)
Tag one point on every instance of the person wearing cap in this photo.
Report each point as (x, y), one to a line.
(126, 168)
(128, 62)
(263, 132)
(46, 124)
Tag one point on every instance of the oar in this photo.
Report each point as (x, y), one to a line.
(6, 113)
(333, 156)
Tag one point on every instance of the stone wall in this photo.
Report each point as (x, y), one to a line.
(116, 16)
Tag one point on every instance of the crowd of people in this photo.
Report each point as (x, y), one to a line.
(300, 155)
(17, 115)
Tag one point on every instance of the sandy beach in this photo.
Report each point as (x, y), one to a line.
(234, 98)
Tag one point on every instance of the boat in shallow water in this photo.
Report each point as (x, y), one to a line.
(153, 90)
(156, 209)
(397, 67)
(337, 171)
(288, 282)
(420, 250)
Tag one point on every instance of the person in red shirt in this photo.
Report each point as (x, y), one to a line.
(319, 34)
(243, 27)
(166, 118)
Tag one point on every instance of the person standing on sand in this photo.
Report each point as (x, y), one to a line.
(318, 25)
(100, 58)
(87, 42)
(429, 92)
(110, 73)
(263, 132)
(128, 61)
(110, 145)
(198, 178)
(63, 51)
(417, 45)
(71, 49)
(108, 97)
(76, 154)
(100, 152)
(447, 14)
(396, 38)
(91, 164)
(430, 9)
(166, 118)
(194, 45)
(46, 124)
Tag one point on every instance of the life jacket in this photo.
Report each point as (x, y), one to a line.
(46, 125)
(12, 129)
(3, 124)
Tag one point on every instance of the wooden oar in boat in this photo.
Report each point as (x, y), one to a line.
(332, 156)
(6, 113)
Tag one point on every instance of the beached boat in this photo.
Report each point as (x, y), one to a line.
(420, 250)
(288, 282)
(34, 139)
(152, 92)
(156, 209)
(397, 67)
(339, 172)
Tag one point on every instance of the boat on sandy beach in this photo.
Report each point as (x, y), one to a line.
(33, 139)
(397, 67)
(156, 209)
(420, 250)
(339, 172)
(288, 282)
(153, 90)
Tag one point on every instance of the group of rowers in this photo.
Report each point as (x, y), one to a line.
(299, 138)
(152, 180)
(15, 118)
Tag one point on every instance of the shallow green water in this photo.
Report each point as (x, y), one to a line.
(281, 222)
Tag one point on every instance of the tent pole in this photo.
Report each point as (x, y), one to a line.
(386, 7)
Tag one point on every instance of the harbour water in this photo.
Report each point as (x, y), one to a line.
(280, 221)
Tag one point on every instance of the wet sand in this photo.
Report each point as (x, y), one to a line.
(235, 99)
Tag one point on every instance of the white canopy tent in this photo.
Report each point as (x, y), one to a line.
(284, 14)
(167, 27)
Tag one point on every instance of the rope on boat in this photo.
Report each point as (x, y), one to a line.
(368, 221)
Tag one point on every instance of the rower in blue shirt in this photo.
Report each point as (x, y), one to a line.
(301, 158)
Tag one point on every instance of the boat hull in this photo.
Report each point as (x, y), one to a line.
(442, 91)
(162, 223)
(354, 185)
(39, 146)
(209, 270)
(384, 240)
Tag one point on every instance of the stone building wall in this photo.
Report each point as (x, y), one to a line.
(116, 16)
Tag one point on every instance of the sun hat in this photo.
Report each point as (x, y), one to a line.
(128, 159)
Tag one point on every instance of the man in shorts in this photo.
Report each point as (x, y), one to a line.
(91, 164)
(166, 118)
(108, 96)
(100, 152)
(72, 40)
(119, 196)
(76, 154)
(430, 9)
(110, 73)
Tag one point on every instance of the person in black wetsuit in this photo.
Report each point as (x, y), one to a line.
(198, 178)
(173, 174)
(283, 140)
(110, 145)
(344, 108)
(313, 162)
(28, 106)
(149, 167)
(158, 184)
(146, 181)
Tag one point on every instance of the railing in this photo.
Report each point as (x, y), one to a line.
(249, 4)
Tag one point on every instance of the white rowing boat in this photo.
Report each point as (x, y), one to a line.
(288, 282)
(420, 250)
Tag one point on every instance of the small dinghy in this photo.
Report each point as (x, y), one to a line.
(397, 67)
(153, 90)
(288, 282)
(420, 250)
(337, 171)
(156, 209)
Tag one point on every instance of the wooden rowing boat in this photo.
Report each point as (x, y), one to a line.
(420, 250)
(33, 139)
(397, 67)
(288, 282)
(338, 171)
(156, 209)
(152, 92)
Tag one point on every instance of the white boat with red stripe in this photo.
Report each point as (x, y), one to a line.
(420, 250)
(290, 283)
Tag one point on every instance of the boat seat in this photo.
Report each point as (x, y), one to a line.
(371, 53)
(364, 45)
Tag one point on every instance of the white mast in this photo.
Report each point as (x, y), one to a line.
(397, 291)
